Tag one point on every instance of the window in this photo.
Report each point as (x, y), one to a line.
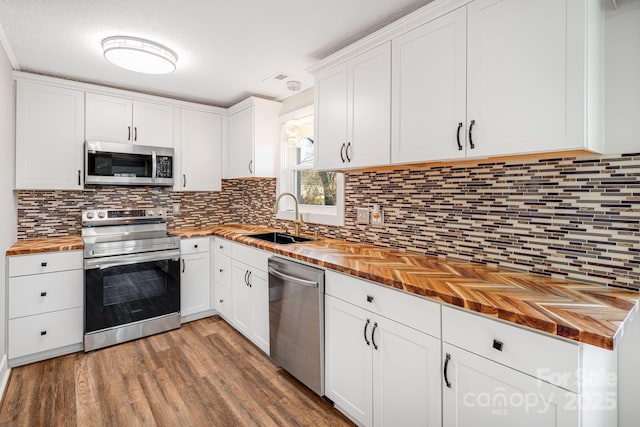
(320, 194)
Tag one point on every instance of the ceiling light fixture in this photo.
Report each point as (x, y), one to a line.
(140, 55)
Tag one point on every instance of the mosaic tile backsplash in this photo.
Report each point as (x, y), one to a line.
(577, 218)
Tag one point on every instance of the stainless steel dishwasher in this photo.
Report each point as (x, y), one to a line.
(296, 320)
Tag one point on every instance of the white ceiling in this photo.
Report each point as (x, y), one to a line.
(226, 48)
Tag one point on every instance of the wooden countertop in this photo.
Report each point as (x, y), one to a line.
(586, 313)
(52, 244)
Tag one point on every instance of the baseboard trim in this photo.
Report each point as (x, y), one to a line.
(5, 370)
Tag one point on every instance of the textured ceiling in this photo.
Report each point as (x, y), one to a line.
(226, 48)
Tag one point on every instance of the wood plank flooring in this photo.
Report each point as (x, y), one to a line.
(204, 374)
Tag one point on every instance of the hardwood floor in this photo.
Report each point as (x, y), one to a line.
(204, 374)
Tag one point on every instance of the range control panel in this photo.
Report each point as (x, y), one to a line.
(103, 216)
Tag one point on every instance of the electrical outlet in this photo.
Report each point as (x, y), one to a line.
(176, 207)
(362, 215)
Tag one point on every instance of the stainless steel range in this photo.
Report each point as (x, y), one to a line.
(132, 275)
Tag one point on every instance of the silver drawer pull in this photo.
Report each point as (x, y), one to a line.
(43, 264)
(43, 294)
(498, 345)
(43, 332)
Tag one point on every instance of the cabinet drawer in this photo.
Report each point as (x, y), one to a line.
(222, 246)
(543, 357)
(222, 302)
(194, 246)
(254, 257)
(61, 328)
(222, 270)
(46, 262)
(42, 293)
(410, 310)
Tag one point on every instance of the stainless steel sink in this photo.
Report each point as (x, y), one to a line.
(280, 238)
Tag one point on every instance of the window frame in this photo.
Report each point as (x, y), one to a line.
(316, 214)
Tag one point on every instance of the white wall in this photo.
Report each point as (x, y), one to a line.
(8, 211)
(622, 77)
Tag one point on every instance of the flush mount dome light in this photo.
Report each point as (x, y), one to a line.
(140, 55)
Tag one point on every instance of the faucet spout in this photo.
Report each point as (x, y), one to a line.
(297, 219)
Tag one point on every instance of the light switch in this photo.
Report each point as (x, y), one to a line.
(362, 215)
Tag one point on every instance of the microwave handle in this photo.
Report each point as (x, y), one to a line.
(154, 167)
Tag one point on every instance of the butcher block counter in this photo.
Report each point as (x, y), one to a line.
(581, 312)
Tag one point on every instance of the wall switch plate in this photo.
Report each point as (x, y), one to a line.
(362, 215)
(176, 207)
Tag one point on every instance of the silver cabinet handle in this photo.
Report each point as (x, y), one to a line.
(342, 152)
(79, 173)
(129, 134)
(250, 166)
(184, 180)
(135, 133)
(183, 265)
(346, 152)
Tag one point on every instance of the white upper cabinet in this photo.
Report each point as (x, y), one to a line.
(469, 79)
(331, 117)
(114, 119)
(353, 111)
(429, 91)
(49, 137)
(200, 151)
(253, 148)
(526, 76)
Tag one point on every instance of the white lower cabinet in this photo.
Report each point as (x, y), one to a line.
(479, 392)
(195, 279)
(45, 306)
(250, 291)
(379, 372)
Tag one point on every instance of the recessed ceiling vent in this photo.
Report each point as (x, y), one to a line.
(277, 77)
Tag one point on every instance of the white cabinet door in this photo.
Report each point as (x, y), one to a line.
(153, 124)
(331, 118)
(369, 123)
(201, 151)
(406, 376)
(429, 91)
(259, 285)
(241, 144)
(113, 119)
(195, 285)
(485, 393)
(49, 137)
(348, 359)
(518, 76)
(241, 296)
(108, 118)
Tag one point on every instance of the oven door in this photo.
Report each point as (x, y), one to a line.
(129, 288)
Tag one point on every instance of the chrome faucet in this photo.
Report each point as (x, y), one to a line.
(297, 218)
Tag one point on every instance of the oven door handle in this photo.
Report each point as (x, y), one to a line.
(115, 261)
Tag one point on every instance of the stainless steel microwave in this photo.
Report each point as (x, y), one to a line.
(127, 164)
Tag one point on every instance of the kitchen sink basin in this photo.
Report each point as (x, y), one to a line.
(280, 238)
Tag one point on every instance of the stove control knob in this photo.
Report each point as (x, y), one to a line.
(102, 214)
(149, 212)
(159, 212)
(90, 215)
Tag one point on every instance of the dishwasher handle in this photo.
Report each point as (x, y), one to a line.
(293, 279)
